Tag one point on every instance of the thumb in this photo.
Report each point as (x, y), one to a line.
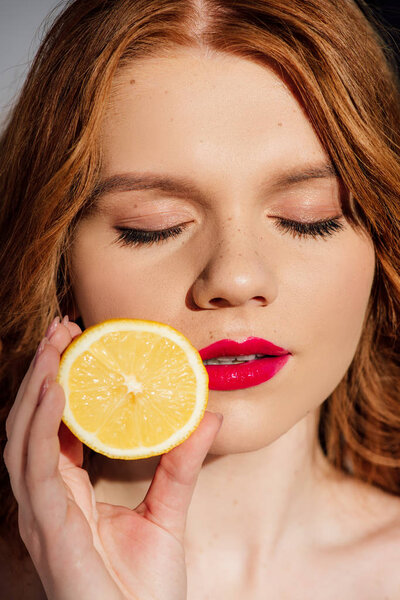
(168, 498)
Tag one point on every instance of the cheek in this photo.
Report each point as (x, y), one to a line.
(110, 281)
(333, 290)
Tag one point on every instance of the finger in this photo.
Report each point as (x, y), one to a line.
(60, 522)
(55, 322)
(168, 498)
(64, 334)
(21, 392)
(45, 486)
(71, 449)
(61, 335)
(18, 422)
(51, 328)
(46, 366)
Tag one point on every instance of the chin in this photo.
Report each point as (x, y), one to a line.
(246, 428)
(231, 441)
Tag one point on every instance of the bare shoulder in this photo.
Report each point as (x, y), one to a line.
(378, 513)
(387, 545)
(384, 510)
(19, 579)
(382, 554)
(360, 540)
(379, 552)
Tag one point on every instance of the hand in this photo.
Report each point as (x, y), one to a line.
(87, 549)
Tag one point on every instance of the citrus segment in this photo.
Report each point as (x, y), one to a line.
(133, 388)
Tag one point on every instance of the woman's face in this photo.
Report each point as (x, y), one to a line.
(233, 133)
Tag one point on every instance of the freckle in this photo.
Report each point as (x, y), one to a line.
(279, 124)
(230, 219)
(132, 81)
(165, 91)
(235, 502)
(238, 230)
(171, 120)
(240, 254)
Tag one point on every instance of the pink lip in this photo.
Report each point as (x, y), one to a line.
(234, 377)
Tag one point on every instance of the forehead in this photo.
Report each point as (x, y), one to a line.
(187, 108)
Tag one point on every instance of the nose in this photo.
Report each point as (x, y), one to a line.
(235, 273)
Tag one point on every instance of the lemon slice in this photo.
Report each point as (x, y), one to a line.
(133, 388)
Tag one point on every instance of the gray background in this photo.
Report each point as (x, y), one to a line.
(21, 30)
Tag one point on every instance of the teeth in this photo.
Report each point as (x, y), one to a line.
(232, 360)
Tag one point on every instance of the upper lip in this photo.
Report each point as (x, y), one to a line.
(252, 345)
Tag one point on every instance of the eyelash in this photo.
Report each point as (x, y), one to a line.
(137, 237)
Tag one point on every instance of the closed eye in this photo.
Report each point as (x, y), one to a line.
(323, 228)
(297, 229)
(137, 237)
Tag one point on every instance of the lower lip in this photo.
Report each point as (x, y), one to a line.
(240, 376)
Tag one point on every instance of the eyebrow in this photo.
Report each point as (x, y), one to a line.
(299, 175)
(182, 186)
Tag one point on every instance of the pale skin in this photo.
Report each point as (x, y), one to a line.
(264, 516)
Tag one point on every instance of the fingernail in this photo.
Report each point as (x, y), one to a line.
(52, 327)
(44, 388)
(40, 349)
(65, 320)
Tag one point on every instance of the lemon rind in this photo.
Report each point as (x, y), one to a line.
(93, 333)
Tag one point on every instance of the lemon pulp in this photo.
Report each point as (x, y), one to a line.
(133, 388)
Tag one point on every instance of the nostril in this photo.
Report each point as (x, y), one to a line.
(219, 302)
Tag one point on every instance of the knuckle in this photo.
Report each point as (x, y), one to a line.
(60, 339)
(29, 532)
(8, 427)
(48, 347)
(180, 475)
(54, 351)
(6, 455)
(49, 358)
